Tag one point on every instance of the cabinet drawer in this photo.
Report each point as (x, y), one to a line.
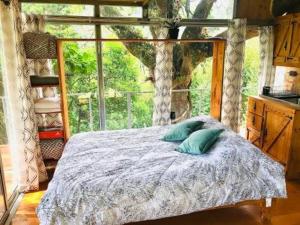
(254, 138)
(254, 121)
(256, 106)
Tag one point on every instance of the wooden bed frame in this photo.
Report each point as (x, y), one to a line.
(216, 104)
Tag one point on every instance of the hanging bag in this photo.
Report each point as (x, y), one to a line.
(39, 45)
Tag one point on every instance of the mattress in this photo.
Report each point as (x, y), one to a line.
(117, 177)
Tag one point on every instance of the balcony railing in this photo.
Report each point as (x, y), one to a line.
(200, 101)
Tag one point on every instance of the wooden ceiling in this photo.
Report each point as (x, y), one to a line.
(94, 2)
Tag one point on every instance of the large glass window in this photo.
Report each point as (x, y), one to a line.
(127, 66)
(189, 9)
(121, 11)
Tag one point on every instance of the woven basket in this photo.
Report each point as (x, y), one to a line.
(39, 45)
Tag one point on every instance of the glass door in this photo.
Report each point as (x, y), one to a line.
(8, 175)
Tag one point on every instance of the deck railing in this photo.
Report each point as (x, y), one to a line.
(84, 107)
(200, 96)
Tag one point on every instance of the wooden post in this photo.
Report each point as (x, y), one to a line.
(63, 89)
(217, 79)
(266, 211)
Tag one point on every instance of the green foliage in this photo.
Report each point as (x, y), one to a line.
(201, 82)
(250, 74)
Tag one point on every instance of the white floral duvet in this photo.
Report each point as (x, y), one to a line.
(117, 177)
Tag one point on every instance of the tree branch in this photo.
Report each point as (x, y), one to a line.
(145, 52)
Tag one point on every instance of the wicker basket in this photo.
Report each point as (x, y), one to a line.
(39, 45)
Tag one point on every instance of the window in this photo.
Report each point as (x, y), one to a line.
(221, 9)
(121, 11)
(8, 164)
(58, 9)
(250, 75)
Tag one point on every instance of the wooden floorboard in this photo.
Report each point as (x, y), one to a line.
(286, 212)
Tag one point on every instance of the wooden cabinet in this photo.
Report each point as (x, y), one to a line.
(287, 41)
(276, 131)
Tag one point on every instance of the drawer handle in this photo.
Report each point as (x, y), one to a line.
(254, 107)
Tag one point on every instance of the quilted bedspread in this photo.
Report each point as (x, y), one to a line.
(116, 177)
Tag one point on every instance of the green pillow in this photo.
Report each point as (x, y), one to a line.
(200, 141)
(182, 130)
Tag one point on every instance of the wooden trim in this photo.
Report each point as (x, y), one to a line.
(217, 80)
(63, 90)
(141, 40)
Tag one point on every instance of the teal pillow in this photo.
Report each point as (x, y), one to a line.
(181, 131)
(200, 141)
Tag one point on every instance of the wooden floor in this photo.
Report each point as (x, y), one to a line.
(286, 212)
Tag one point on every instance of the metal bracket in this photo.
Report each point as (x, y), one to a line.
(268, 202)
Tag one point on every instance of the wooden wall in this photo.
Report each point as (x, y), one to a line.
(254, 9)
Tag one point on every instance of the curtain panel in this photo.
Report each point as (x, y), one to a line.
(21, 105)
(163, 80)
(234, 60)
(267, 70)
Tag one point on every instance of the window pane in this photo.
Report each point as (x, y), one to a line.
(121, 11)
(250, 76)
(58, 9)
(6, 136)
(71, 31)
(221, 9)
(81, 76)
(129, 31)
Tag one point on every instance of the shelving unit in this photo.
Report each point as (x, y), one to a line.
(58, 134)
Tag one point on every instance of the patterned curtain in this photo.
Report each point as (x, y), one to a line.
(163, 80)
(267, 70)
(234, 59)
(31, 167)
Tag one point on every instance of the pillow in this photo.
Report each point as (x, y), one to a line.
(181, 131)
(200, 141)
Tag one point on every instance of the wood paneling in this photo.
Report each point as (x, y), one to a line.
(287, 41)
(284, 212)
(254, 10)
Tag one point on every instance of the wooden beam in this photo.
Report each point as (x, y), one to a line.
(91, 2)
(63, 89)
(217, 80)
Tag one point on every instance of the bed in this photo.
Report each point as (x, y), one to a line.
(117, 177)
